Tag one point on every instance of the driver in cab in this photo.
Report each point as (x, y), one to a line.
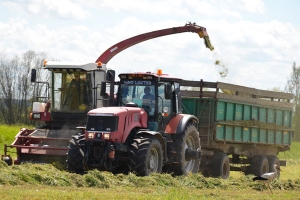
(148, 99)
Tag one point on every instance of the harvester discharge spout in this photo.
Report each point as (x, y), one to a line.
(207, 42)
(188, 27)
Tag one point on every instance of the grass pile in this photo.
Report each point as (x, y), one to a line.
(53, 182)
(49, 175)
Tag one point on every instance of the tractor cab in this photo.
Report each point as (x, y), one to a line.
(155, 93)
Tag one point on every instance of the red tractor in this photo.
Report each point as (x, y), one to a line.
(145, 133)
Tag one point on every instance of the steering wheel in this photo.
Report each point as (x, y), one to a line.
(146, 108)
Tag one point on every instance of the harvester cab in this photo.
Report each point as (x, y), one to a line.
(73, 88)
(59, 106)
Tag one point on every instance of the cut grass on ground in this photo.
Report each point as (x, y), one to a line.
(36, 181)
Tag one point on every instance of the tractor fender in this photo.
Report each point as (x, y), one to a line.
(153, 133)
(179, 122)
(157, 135)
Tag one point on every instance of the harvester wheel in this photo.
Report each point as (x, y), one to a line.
(259, 165)
(220, 165)
(189, 140)
(146, 156)
(76, 153)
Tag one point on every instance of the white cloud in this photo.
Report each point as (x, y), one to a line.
(254, 6)
(258, 53)
(64, 9)
(180, 8)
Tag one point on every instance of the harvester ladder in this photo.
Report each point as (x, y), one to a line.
(204, 110)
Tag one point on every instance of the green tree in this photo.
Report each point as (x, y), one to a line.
(293, 86)
(16, 90)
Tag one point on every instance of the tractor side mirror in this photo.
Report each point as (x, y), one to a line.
(168, 91)
(110, 75)
(33, 75)
(103, 89)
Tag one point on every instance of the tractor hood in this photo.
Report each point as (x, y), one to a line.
(118, 121)
(116, 111)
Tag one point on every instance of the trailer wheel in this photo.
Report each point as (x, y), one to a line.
(220, 165)
(75, 154)
(187, 141)
(259, 165)
(272, 161)
(146, 156)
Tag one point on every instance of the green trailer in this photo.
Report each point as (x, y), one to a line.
(241, 128)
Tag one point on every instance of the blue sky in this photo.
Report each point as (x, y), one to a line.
(257, 40)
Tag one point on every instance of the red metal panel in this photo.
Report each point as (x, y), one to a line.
(117, 48)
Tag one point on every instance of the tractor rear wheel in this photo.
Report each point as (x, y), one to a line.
(259, 165)
(146, 156)
(220, 165)
(75, 154)
(187, 141)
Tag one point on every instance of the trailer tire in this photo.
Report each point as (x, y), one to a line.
(272, 161)
(220, 165)
(146, 156)
(76, 153)
(188, 139)
(259, 165)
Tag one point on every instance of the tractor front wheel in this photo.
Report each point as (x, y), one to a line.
(75, 154)
(146, 156)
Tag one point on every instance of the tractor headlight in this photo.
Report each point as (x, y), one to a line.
(91, 135)
(106, 136)
(166, 109)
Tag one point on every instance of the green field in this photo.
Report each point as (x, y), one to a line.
(35, 181)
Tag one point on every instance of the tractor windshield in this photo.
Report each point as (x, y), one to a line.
(141, 93)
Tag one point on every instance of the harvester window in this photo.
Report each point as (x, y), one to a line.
(77, 94)
(58, 91)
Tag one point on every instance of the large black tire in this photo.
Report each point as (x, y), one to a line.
(259, 165)
(189, 139)
(220, 165)
(273, 160)
(146, 156)
(76, 153)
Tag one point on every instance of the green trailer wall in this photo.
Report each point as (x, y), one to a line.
(235, 122)
(239, 126)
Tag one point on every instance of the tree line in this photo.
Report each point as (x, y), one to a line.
(17, 91)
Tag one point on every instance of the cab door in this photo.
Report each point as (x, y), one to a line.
(165, 110)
